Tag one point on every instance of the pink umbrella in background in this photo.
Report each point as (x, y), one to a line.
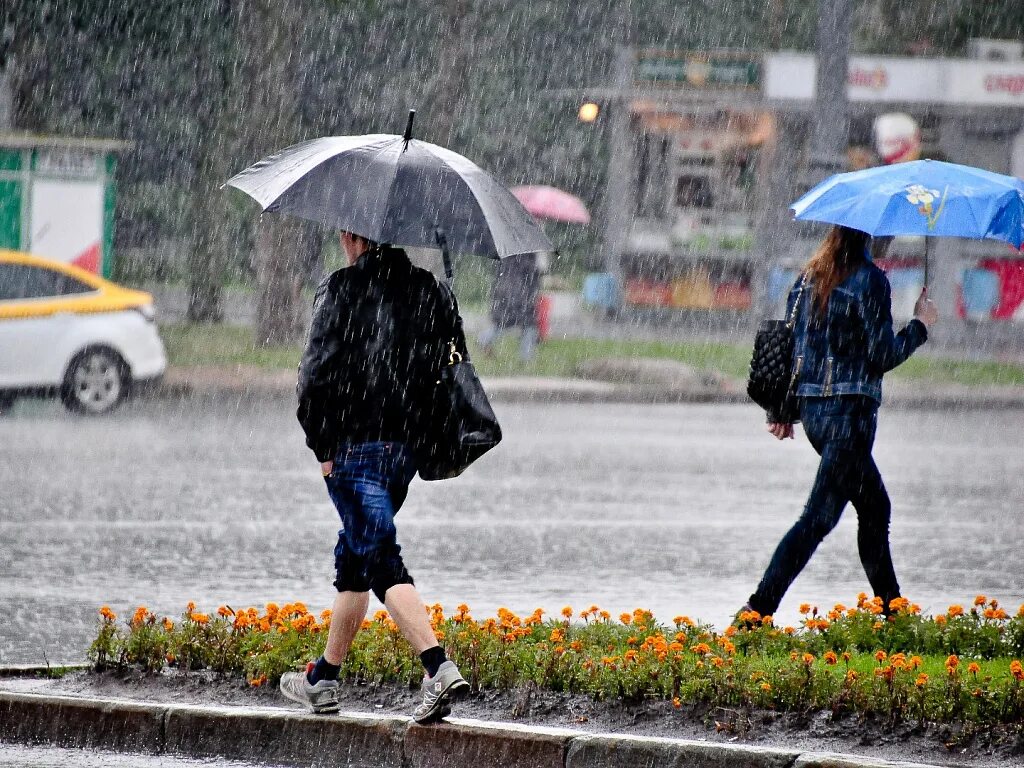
(551, 203)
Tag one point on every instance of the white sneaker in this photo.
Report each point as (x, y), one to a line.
(438, 693)
(320, 698)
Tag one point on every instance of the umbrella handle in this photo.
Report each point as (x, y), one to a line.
(442, 243)
(926, 262)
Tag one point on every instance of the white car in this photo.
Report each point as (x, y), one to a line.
(65, 331)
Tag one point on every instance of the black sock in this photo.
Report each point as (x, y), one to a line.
(323, 670)
(432, 659)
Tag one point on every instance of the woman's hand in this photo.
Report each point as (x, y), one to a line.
(780, 431)
(925, 311)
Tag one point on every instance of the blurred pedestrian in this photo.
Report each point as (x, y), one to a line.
(514, 304)
(380, 328)
(844, 342)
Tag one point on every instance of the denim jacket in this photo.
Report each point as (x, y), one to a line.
(846, 350)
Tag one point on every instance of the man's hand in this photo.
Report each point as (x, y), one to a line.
(326, 467)
(925, 311)
(781, 431)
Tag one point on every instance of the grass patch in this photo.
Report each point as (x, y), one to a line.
(191, 345)
(961, 666)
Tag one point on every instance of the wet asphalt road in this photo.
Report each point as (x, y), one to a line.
(672, 508)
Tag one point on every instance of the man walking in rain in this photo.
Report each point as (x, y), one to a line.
(379, 329)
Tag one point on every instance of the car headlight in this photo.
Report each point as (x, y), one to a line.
(147, 311)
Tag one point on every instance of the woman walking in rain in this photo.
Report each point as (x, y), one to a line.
(843, 343)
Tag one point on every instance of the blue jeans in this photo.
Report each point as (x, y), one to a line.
(368, 485)
(842, 431)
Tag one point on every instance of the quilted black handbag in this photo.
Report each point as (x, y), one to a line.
(460, 425)
(771, 379)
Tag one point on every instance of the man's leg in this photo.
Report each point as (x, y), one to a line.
(346, 618)
(409, 612)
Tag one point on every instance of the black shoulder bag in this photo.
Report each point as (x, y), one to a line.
(460, 425)
(772, 378)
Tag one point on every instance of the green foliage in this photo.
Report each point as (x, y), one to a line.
(960, 666)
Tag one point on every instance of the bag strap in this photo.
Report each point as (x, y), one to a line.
(791, 323)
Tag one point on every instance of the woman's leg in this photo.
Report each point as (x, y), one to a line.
(821, 514)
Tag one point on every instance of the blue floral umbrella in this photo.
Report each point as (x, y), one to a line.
(925, 197)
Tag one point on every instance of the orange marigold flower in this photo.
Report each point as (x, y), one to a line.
(200, 618)
(169, 657)
(790, 630)
(567, 611)
(107, 614)
(766, 687)
(630, 655)
(941, 619)
(846, 656)
(168, 624)
(851, 675)
(808, 658)
(898, 604)
(701, 649)
(557, 635)
(973, 668)
(1016, 670)
(676, 702)
(980, 600)
(224, 611)
(256, 682)
(1020, 611)
(190, 607)
(717, 662)
(880, 655)
(876, 626)
(730, 630)
(955, 610)
(952, 662)
(625, 618)
(805, 608)
(605, 616)
(830, 658)
(921, 681)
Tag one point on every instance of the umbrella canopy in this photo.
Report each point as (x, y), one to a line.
(552, 203)
(396, 190)
(924, 197)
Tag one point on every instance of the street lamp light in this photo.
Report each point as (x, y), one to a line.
(588, 112)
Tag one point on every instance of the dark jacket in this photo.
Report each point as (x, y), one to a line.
(380, 330)
(846, 350)
(515, 291)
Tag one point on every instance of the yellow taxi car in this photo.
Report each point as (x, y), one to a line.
(66, 331)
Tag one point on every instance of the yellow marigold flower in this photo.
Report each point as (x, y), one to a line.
(609, 661)
(921, 681)
(830, 658)
(625, 618)
(805, 608)
(676, 702)
(876, 626)
(980, 600)
(557, 636)
(880, 655)
(107, 614)
(851, 675)
(766, 687)
(567, 611)
(699, 665)
(973, 668)
(793, 655)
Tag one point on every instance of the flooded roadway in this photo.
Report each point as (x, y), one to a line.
(672, 508)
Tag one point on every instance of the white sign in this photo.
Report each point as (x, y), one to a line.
(792, 76)
(67, 163)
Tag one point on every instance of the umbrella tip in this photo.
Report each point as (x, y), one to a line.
(408, 126)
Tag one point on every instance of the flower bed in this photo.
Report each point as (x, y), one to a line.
(959, 666)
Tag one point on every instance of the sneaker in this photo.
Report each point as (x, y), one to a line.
(438, 693)
(320, 698)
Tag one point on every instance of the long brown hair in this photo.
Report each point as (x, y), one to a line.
(838, 256)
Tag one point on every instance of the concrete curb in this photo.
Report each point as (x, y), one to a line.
(247, 383)
(361, 740)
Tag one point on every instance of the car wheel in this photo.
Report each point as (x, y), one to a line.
(96, 382)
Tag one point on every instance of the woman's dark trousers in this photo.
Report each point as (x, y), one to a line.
(842, 431)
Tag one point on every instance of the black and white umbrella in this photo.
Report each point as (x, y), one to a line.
(396, 190)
